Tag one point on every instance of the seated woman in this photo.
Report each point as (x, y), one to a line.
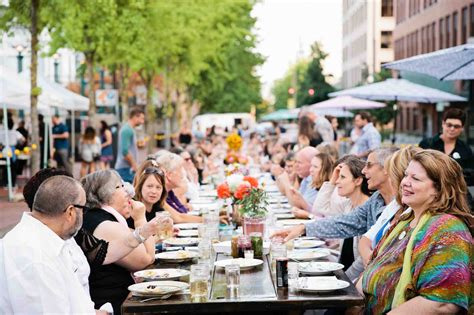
(150, 189)
(424, 263)
(106, 220)
(321, 168)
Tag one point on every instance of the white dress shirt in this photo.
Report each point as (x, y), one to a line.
(38, 271)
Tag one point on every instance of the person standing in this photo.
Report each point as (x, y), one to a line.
(89, 147)
(61, 144)
(370, 138)
(448, 140)
(127, 153)
(107, 153)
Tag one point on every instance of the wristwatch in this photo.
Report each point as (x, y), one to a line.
(311, 216)
(138, 237)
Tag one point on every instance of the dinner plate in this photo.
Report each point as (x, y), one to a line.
(281, 216)
(157, 288)
(187, 226)
(194, 212)
(177, 256)
(280, 210)
(321, 284)
(225, 247)
(161, 274)
(244, 263)
(188, 233)
(208, 193)
(203, 201)
(277, 200)
(308, 255)
(316, 268)
(181, 241)
(308, 243)
(292, 221)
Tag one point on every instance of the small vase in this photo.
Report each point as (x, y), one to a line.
(236, 216)
(254, 224)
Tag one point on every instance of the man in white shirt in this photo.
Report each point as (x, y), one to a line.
(37, 268)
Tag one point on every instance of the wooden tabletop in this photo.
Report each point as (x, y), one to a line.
(258, 292)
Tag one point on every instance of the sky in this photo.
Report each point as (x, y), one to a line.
(286, 27)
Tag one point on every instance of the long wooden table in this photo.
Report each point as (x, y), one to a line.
(258, 293)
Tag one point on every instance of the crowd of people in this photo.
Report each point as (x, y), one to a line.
(400, 217)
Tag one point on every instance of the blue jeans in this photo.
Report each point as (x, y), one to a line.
(126, 173)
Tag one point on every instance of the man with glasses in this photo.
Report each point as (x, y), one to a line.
(448, 140)
(37, 269)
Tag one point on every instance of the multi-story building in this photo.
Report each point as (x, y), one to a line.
(367, 39)
(423, 26)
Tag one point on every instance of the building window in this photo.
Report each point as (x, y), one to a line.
(387, 7)
(386, 39)
(441, 31)
(464, 25)
(433, 37)
(448, 31)
(471, 33)
(455, 28)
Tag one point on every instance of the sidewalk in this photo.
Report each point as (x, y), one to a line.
(10, 212)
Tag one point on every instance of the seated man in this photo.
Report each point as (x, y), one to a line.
(302, 198)
(37, 270)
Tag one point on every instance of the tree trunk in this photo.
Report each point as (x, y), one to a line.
(36, 154)
(90, 74)
(124, 78)
(150, 112)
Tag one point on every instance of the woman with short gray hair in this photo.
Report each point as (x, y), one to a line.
(111, 206)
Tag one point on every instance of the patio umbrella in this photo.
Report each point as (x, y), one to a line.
(346, 103)
(336, 112)
(399, 90)
(455, 63)
(281, 114)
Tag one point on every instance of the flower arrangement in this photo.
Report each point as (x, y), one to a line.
(235, 168)
(244, 191)
(234, 141)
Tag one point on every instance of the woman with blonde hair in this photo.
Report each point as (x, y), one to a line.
(423, 264)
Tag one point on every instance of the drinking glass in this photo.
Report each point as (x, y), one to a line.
(293, 276)
(198, 280)
(204, 249)
(165, 225)
(232, 275)
(278, 250)
(248, 254)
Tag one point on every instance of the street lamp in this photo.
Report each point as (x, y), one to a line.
(56, 67)
(19, 57)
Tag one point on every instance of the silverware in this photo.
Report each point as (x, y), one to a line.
(163, 297)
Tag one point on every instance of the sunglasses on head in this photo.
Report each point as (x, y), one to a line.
(153, 170)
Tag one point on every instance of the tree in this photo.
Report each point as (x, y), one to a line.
(281, 87)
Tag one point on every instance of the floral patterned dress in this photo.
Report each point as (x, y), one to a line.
(441, 265)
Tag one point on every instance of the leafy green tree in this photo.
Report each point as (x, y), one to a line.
(282, 86)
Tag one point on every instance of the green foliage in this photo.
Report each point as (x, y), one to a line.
(306, 74)
(255, 204)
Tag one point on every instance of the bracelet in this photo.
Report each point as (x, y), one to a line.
(311, 216)
(138, 237)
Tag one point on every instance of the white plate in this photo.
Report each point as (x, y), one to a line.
(187, 226)
(157, 288)
(188, 233)
(195, 212)
(224, 247)
(177, 256)
(309, 255)
(161, 274)
(181, 241)
(281, 216)
(308, 243)
(277, 200)
(203, 201)
(208, 193)
(316, 268)
(321, 284)
(280, 210)
(245, 264)
(292, 221)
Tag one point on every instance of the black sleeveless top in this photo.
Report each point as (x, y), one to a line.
(108, 283)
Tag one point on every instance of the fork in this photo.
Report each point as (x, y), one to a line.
(163, 297)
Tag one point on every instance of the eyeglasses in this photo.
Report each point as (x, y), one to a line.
(84, 208)
(371, 164)
(153, 170)
(188, 159)
(449, 126)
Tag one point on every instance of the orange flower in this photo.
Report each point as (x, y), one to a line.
(242, 191)
(252, 180)
(223, 191)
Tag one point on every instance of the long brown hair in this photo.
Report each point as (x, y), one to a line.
(327, 164)
(449, 182)
(147, 169)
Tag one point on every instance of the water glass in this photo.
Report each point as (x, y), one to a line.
(293, 276)
(203, 232)
(198, 280)
(232, 275)
(204, 249)
(278, 250)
